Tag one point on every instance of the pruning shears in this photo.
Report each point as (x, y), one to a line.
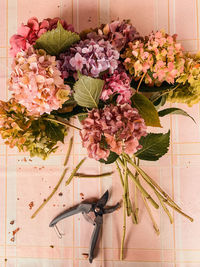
(85, 207)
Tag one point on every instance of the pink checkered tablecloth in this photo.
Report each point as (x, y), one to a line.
(24, 180)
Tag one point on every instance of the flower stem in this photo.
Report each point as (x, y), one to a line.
(179, 211)
(124, 210)
(139, 186)
(155, 226)
(68, 151)
(166, 199)
(136, 195)
(155, 98)
(52, 193)
(140, 82)
(122, 182)
(164, 207)
(84, 175)
(152, 183)
(74, 171)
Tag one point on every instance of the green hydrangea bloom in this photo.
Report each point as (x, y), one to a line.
(28, 133)
(188, 91)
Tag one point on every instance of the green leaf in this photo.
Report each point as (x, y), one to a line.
(87, 91)
(54, 132)
(111, 158)
(178, 111)
(57, 40)
(154, 146)
(146, 109)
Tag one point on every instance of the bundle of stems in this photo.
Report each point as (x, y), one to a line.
(131, 210)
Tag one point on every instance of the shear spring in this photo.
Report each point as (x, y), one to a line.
(59, 234)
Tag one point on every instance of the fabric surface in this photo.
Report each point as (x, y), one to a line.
(24, 180)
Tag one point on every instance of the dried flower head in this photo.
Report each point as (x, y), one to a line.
(188, 91)
(36, 82)
(113, 128)
(28, 133)
(120, 33)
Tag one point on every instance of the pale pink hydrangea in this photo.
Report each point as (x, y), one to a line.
(117, 83)
(159, 54)
(113, 128)
(29, 33)
(36, 82)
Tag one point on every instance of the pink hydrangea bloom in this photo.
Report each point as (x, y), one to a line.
(28, 34)
(36, 82)
(117, 83)
(113, 128)
(159, 54)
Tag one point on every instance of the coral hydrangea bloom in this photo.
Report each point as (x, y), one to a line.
(113, 128)
(118, 83)
(159, 54)
(29, 33)
(36, 82)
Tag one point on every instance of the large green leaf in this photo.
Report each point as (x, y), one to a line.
(146, 110)
(111, 158)
(178, 111)
(87, 91)
(154, 146)
(57, 40)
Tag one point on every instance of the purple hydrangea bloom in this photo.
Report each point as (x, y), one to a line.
(90, 57)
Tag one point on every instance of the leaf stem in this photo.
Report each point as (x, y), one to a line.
(74, 171)
(52, 193)
(68, 151)
(63, 123)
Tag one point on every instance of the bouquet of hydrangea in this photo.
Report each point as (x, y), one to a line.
(115, 82)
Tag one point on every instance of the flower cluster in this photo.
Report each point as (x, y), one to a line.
(90, 57)
(28, 34)
(117, 84)
(158, 57)
(27, 132)
(113, 128)
(188, 90)
(120, 33)
(36, 82)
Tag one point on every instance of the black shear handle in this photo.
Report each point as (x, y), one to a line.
(95, 234)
